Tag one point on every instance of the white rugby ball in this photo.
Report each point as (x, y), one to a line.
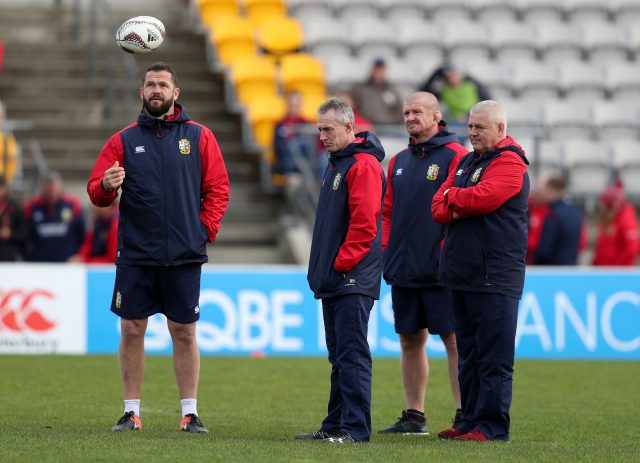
(141, 34)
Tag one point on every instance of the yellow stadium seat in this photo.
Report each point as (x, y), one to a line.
(310, 104)
(263, 113)
(280, 35)
(259, 11)
(9, 158)
(303, 73)
(233, 38)
(211, 10)
(254, 76)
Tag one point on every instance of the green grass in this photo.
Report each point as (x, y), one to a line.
(57, 408)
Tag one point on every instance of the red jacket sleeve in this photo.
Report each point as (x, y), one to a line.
(387, 207)
(215, 184)
(364, 183)
(111, 245)
(111, 152)
(501, 181)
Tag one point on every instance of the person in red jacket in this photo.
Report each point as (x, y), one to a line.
(618, 241)
(175, 191)
(484, 206)
(100, 245)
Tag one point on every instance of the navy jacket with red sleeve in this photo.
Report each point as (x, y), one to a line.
(484, 250)
(175, 191)
(411, 239)
(346, 248)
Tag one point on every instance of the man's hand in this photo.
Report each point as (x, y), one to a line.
(113, 177)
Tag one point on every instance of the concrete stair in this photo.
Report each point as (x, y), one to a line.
(45, 81)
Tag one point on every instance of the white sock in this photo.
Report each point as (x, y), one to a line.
(189, 406)
(132, 405)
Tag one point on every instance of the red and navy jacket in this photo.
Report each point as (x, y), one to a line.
(485, 248)
(101, 243)
(411, 239)
(56, 230)
(346, 251)
(175, 191)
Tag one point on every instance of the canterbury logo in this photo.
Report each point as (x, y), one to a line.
(18, 312)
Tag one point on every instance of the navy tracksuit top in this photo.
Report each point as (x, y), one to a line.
(412, 252)
(340, 239)
(560, 237)
(486, 253)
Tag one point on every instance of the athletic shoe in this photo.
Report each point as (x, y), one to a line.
(406, 425)
(128, 422)
(191, 423)
(340, 439)
(450, 433)
(316, 435)
(474, 435)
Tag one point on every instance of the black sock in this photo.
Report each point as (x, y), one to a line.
(416, 415)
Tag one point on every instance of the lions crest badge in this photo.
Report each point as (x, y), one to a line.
(432, 172)
(336, 181)
(184, 146)
(476, 175)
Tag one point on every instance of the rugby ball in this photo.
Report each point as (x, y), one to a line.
(141, 34)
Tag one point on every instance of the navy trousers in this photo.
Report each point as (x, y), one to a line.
(485, 332)
(346, 319)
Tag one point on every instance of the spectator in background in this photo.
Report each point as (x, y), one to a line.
(617, 242)
(456, 91)
(538, 210)
(362, 124)
(12, 225)
(563, 233)
(377, 99)
(289, 140)
(56, 226)
(100, 245)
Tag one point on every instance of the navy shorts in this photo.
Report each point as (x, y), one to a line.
(415, 309)
(142, 291)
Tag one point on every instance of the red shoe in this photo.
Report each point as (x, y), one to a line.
(474, 435)
(451, 433)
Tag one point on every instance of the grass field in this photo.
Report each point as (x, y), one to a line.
(58, 408)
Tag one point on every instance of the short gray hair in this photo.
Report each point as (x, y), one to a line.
(496, 111)
(344, 113)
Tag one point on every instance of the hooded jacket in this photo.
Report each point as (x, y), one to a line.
(175, 192)
(411, 239)
(346, 248)
(485, 249)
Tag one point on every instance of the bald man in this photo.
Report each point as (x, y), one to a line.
(411, 243)
(484, 206)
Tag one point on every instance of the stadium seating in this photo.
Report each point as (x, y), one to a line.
(253, 77)
(511, 40)
(303, 73)
(493, 10)
(233, 38)
(419, 39)
(567, 120)
(280, 35)
(261, 11)
(310, 9)
(626, 161)
(355, 11)
(625, 11)
(534, 81)
(466, 40)
(263, 113)
(582, 81)
(213, 10)
(623, 81)
(585, 10)
(539, 11)
(604, 42)
(401, 10)
(616, 120)
(451, 11)
(327, 38)
(588, 164)
(558, 43)
(373, 38)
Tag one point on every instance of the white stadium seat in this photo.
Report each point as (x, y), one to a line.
(539, 11)
(558, 43)
(582, 81)
(419, 39)
(626, 161)
(623, 81)
(535, 81)
(604, 42)
(373, 38)
(326, 37)
(466, 40)
(549, 158)
(355, 10)
(586, 10)
(625, 11)
(309, 9)
(342, 72)
(524, 118)
(511, 40)
(497, 77)
(449, 11)
(588, 164)
(566, 120)
(492, 10)
(402, 10)
(615, 120)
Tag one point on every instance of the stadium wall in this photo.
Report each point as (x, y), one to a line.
(577, 313)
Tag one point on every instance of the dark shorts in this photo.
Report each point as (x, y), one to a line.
(417, 308)
(142, 291)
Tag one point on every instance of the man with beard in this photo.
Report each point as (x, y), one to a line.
(411, 243)
(174, 193)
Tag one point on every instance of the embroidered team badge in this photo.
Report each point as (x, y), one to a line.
(118, 300)
(336, 181)
(184, 146)
(432, 172)
(476, 175)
